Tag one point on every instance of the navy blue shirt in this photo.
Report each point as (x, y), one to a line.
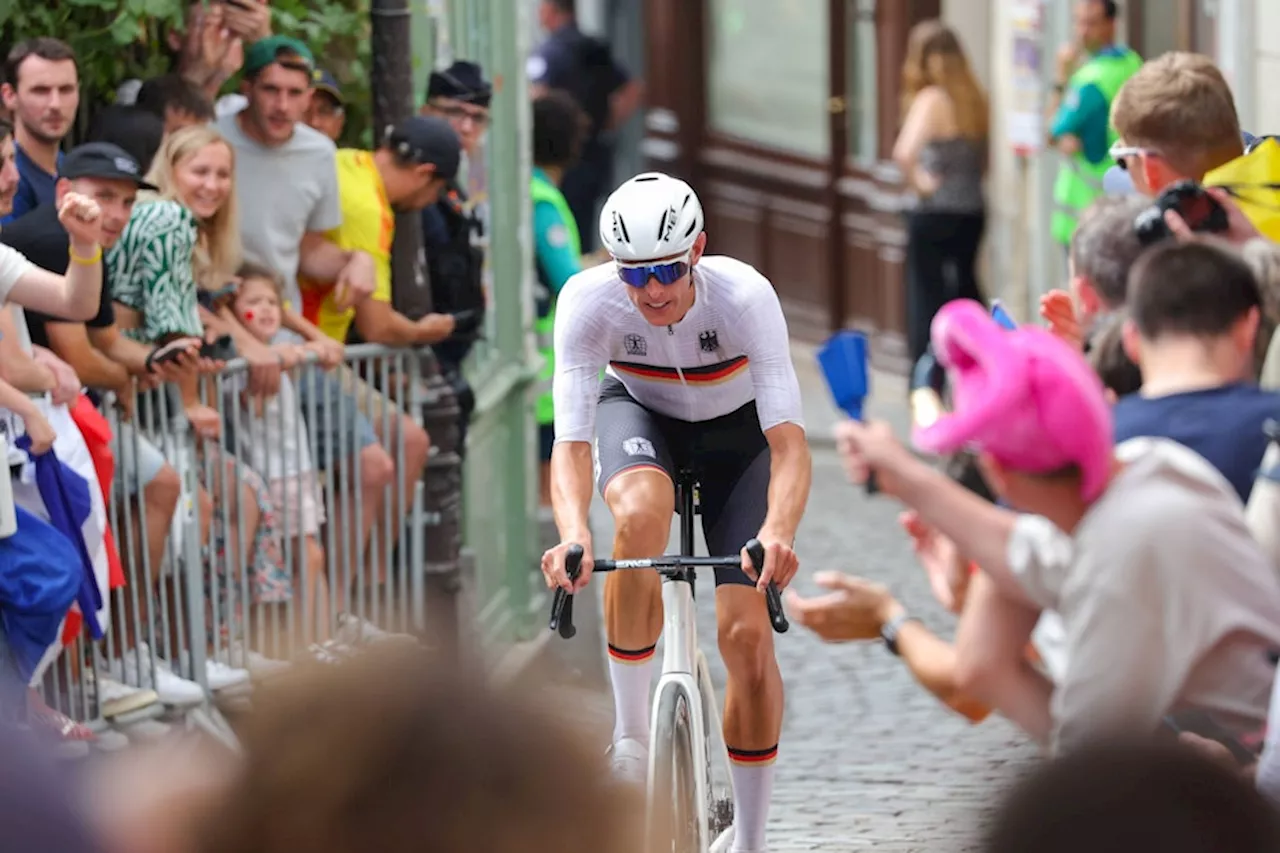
(584, 67)
(1224, 425)
(35, 185)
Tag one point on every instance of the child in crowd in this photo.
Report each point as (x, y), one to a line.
(274, 440)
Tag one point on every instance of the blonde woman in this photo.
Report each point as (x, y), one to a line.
(942, 152)
(180, 240)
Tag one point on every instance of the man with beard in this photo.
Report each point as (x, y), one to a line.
(42, 90)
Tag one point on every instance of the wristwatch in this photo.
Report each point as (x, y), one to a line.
(889, 632)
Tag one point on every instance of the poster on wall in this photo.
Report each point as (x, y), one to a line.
(1026, 118)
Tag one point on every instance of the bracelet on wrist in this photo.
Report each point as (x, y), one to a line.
(90, 261)
(889, 633)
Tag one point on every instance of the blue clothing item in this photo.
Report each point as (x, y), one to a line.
(35, 185)
(435, 231)
(1224, 425)
(39, 806)
(1086, 115)
(584, 67)
(553, 250)
(67, 500)
(40, 575)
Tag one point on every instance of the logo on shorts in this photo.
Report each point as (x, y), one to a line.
(709, 341)
(639, 447)
(636, 345)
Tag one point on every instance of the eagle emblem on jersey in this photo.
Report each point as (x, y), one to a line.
(636, 345)
(709, 341)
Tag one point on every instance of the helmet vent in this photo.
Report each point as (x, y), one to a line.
(620, 228)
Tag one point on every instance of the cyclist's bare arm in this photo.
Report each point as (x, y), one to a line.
(581, 355)
(571, 487)
(790, 473)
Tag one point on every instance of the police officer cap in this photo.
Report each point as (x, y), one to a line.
(462, 81)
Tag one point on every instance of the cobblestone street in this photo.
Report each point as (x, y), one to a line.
(867, 758)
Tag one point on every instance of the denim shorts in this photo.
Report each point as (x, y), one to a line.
(337, 426)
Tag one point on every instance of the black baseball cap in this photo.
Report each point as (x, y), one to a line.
(328, 84)
(461, 81)
(102, 160)
(427, 139)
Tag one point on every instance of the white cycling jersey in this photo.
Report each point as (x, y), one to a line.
(731, 348)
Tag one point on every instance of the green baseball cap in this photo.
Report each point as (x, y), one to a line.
(289, 51)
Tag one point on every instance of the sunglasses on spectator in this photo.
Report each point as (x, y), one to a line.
(1119, 153)
(666, 272)
(458, 113)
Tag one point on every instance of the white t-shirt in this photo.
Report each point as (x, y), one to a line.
(284, 193)
(13, 266)
(731, 348)
(273, 441)
(1166, 600)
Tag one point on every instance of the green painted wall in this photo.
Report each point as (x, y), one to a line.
(500, 525)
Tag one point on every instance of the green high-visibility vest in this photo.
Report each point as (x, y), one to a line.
(1080, 181)
(544, 406)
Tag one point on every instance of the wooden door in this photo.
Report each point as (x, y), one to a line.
(869, 46)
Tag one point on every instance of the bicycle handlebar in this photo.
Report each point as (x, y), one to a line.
(562, 603)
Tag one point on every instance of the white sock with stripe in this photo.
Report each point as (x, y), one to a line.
(631, 673)
(752, 771)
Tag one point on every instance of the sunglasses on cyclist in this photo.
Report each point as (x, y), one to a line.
(667, 272)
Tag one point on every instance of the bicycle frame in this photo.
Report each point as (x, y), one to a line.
(685, 671)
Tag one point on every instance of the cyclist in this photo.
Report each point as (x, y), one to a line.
(698, 375)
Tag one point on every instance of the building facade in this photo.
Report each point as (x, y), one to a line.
(782, 113)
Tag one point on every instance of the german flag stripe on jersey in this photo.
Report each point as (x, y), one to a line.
(711, 374)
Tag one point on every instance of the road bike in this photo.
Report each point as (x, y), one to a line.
(687, 811)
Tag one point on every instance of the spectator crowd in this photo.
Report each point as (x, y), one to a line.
(182, 233)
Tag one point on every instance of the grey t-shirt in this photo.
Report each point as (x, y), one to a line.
(284, 192)
(1167, 602)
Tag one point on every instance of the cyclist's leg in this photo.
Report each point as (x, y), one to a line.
(633, 473)
(734, 501)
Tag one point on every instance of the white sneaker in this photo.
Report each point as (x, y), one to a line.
(259, 665)
(172, 689)
(331, 652)
(354, 631)
(222, 677)
(630, 761)
(116, 699)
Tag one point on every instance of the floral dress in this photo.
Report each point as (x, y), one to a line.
(152, 273)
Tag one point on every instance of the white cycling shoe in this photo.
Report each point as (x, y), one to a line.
(629, 759)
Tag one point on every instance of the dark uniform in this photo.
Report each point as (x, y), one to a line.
(585, 68)
(449, 231)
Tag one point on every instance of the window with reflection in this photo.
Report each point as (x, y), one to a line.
(861, 80)
(767, 73)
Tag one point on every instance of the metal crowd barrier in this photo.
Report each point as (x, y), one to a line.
(225, 596)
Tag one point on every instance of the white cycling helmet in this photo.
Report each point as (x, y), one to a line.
(650, 216)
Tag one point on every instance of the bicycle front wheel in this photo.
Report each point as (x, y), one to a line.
(673, 808)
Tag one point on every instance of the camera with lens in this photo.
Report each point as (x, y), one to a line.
(1201, 212)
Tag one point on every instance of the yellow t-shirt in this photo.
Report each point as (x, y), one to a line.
(368, 225)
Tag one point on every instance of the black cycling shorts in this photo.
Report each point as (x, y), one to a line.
(729, 455)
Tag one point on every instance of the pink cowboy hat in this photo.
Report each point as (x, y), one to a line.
(1024, 397)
